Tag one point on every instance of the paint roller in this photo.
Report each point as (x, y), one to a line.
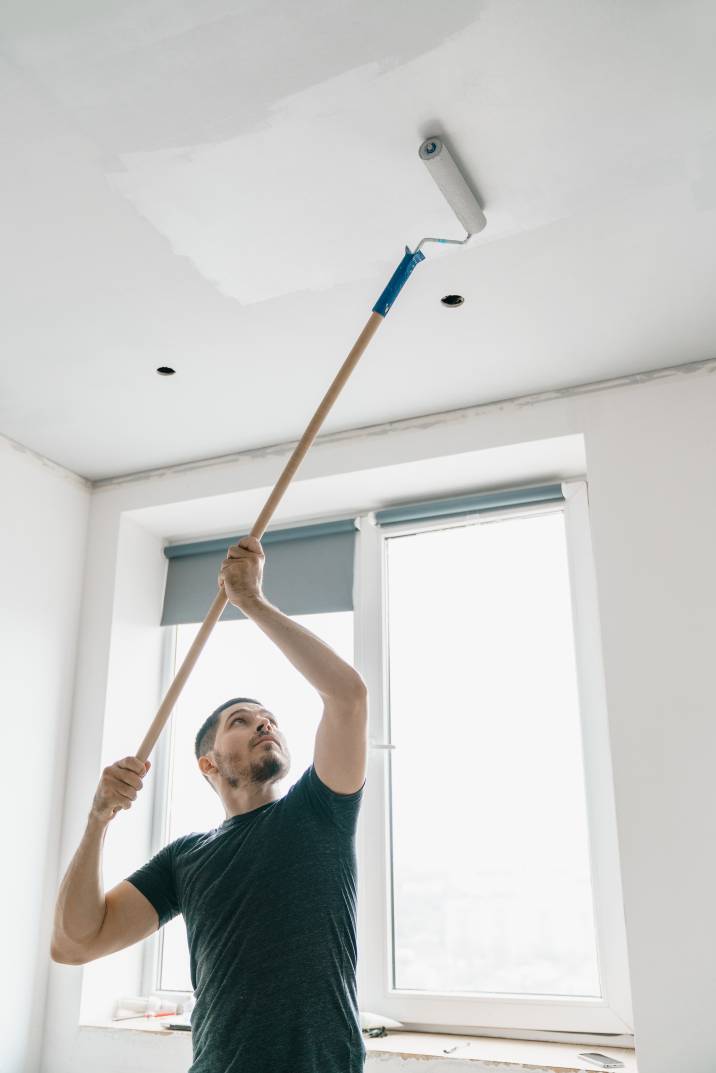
(461, 199)
(452, 185)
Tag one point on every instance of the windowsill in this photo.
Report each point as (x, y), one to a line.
(523, 1054)
(503, 1054)
(150, 1024)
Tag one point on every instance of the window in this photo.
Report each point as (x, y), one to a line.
(491, 879)
(490, 892)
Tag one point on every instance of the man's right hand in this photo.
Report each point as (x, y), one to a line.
(118, 787)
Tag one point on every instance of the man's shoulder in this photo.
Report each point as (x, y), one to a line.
(300, 783)
(311, 794)
(187, 844)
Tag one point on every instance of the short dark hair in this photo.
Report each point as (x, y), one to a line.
(207, 731)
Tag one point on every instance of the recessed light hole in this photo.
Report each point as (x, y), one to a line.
(164, 370)
(452, 300)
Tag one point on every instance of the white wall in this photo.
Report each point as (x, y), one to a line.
(42, 543)
(651, 449)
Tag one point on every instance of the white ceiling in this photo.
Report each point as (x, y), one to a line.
(224, 187)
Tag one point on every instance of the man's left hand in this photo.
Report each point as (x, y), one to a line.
(242, 572)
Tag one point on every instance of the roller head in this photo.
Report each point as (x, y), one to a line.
(450, 181)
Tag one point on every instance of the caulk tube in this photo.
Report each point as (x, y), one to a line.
(397, 281)
(132, 1007)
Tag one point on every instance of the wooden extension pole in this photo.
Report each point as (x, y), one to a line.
(220, 600)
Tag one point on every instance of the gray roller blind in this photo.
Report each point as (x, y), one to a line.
(468, 504)
(308, 569)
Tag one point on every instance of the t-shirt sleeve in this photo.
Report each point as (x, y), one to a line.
(156, 880)
(339, 809)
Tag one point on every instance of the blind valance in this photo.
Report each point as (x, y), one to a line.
(308, 569)
(468, 504)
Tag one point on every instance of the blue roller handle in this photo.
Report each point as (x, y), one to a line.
(397, 281)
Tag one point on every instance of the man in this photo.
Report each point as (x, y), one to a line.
(269, 896)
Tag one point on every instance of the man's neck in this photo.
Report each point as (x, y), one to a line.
(240, 799)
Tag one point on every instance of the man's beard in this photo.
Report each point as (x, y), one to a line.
(269, 767)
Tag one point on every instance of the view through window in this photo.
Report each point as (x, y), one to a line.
(491, 880)
(238, 661)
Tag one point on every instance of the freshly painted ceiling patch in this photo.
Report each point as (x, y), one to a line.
(307, 202)
(276, 212)
(325, 188)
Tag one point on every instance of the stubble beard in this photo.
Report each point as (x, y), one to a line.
(262, 769)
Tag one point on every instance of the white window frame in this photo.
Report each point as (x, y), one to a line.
(416, 1009)
(497, 1014)
(162, 765)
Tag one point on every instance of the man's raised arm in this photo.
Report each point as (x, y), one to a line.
(341, 740)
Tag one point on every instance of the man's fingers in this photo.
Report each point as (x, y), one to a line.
(252, 544)
(132, 775)
(123, 790)
(129, 778)
(120, 785)
(132, 763)
(246, 544)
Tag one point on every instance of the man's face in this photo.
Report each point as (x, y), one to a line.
(249, 747)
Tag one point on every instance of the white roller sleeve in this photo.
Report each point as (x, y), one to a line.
(450, 181)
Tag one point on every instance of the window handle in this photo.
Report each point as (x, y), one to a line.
(381, 745)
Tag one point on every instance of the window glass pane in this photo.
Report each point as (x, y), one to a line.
(238, 661)
(491, 871)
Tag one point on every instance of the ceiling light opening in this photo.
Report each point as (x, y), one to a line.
(164, 370)
(452, 300)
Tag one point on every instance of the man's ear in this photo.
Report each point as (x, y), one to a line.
(207, 766)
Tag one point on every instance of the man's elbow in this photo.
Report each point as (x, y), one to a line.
(361, 689)
(354, 700)
(355, 692)
(68, 955)
(349, 700)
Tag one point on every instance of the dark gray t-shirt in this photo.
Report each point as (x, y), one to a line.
(269, 901)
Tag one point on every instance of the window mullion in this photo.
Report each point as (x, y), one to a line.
(372, 841)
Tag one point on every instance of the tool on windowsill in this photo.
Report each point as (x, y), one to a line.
(603, 1061)
(139, 1016)
(133, 1007)
(457, 1047)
